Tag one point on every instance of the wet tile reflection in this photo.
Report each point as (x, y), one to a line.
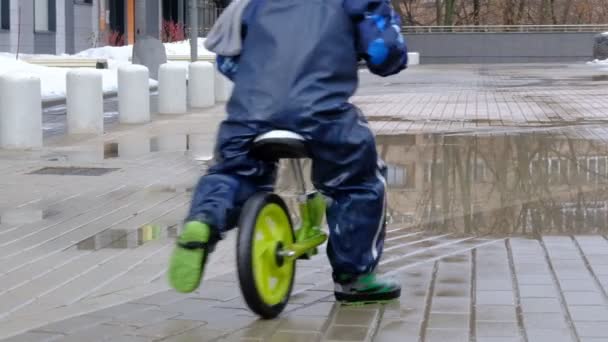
(501, 184)
(126, 239)
(528, 183)
(196, 146)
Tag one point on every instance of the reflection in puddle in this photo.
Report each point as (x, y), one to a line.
(199, 146)
(522, 183)
(503, 184)
(125, 239)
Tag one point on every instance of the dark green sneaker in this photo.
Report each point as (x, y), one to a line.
(365, 289)
(188, 260)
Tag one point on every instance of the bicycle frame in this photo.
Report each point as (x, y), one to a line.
(312, 211)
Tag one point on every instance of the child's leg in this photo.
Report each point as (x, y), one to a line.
(347, 169)
(216, 200)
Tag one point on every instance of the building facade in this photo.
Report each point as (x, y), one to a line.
(70, 26)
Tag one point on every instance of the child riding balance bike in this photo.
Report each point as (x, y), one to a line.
(294, 64)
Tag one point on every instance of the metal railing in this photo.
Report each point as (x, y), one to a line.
(208, 13)
(505, 29)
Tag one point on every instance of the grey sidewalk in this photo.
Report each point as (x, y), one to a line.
(498, 215)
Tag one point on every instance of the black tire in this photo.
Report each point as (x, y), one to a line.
(246, 230)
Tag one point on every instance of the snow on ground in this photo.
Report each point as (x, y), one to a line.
(53, 79)
(598, 61)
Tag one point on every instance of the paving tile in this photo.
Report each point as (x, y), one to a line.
(167, 328)
(588, 313)
(261, 330)
(144, 318)
(220, 291)
(188, 306)
(300, 324)
(228, 320)
(494, 284)
(35, 337)
(201, 334)
(442, 335)
(583, 298)
(498, 339)
(322, 309)
(346, 333)
(72, 325)
(354, 316)
(534, 280)
(538, 291)
(447, 304)
(592, 329)
(122, 310)
(309, 297)
(577, 285)
(497, 329)
(394, 330)
(544, 320)
(553, 335)
(503, 313)
(295, 336)
(531, 305)
(448, 321)
(495, 298)
(100, 333)
(162, 298)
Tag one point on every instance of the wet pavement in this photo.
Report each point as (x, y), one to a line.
(497, 221)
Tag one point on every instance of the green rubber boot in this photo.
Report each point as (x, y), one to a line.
(188, 260)
(365, 289)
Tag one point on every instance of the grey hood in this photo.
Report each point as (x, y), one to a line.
(225, 37)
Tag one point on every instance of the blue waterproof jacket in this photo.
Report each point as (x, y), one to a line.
(310, 64)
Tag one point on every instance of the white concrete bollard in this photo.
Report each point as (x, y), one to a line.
(133, 94)
(172, 90)
(413, 58)
(201, 85)
(20, 111)
(223, 87)
(84, 99)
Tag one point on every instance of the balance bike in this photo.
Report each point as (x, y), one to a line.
(268, 245)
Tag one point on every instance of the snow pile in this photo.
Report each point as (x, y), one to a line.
(115, 55)
(53, 80)
(599, 62)
(183, 48)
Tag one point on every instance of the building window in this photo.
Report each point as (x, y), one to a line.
(5, 15)
(44, 15)
(397, 176)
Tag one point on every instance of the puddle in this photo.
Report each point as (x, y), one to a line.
(128, 238)
(197, 146)
(528, 183)
(516, 183)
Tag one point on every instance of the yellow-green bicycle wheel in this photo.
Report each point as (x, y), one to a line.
(266, 278)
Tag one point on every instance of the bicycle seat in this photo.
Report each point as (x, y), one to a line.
(279, 144)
